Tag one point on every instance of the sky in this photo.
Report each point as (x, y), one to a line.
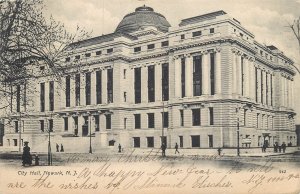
(268, 20)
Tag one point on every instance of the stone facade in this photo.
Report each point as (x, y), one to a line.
(219, 77)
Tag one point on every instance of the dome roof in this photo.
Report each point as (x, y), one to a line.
(143, 17)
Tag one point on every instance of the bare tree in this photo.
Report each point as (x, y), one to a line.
(28, 39)
(295, 27)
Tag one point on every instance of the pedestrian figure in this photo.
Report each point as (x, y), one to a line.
(219, 151)
(57, 147)
(26, 157)
(279, 147)
(283, 147)
(36, 160)
(61, 148)
(120, 147)
(176, 148)
(163, 149)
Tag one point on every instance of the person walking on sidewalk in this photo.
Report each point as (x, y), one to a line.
(283, 146)
(176, 148)
(163, 149)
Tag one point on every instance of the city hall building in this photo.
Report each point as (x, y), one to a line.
(206, 83)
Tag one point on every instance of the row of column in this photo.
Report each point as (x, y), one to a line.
(250, 80)
(91, 123)
(206, 84)
(83, 89)
(287, 91)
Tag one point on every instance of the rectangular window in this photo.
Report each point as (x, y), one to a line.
(210, 141)
(137, 121)
(211, 30)
(165, 43)
(87, 54)
(242, 75)
(183, 77)
(256, 85)
(51, 95)
(18, 98)
(88, 88)
(16, 126)
(197, 33)
(99, 87)
(42, 125)
(181, 141)
(98, 52)
(150, 120)
(124, 74)
(110, 50)
(195, 141)
(197, 75)
(165, 82)
(150, 142)
(196, 117)
(50, 121)
(165, 117)
(137, 49)
(42, 97)
(77, 57)
(77, 89)
(151, 83)
(15, 142)
(212, 73)
(125, 96)
(151, 46)
(181, 118)
(67, 92)
(261, 87)
(137, 85)
(66, 123)
(267, 89)
(108, 121)
(125, 123)
(271, 86)
(211, 115)
(182, 36)
(136, 142)
(110, 86)
(97, 122)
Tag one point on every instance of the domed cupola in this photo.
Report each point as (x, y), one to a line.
(142, 18)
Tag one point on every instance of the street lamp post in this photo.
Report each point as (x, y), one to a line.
(49, 143)
(90, 135)
(238, 131)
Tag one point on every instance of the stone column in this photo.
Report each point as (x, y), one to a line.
(102, 122)
(234, 72)
(218, 70)
(269, 89)
(205, 74)
(239, 73)
(251, 78)
(259, 85)
(62, 93)
(82, 89)
(189, 76)
(144, 84)
(177, 62)
(93, 88)
(104, 86)
(158, 82)
(247, 77)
